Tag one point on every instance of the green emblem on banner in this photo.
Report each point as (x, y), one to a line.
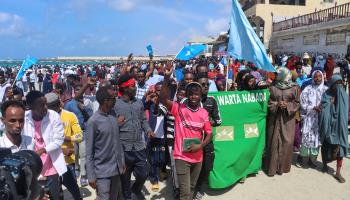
(224, 133)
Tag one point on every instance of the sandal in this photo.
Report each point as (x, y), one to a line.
(339, 178)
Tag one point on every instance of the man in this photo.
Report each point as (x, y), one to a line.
(105, 155)
(190, 122)
(76, 106)
(72, 134)
(4, 86)
(40, 80)
(141, 87)
(211, 106)
(45, 128)
(13, 119)
(132, 126)
(25, 82)
(32, 78)
(68, 87)
(204, 69)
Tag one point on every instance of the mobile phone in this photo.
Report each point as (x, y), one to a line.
(44, 187)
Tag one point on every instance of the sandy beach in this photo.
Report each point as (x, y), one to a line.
(299, 184)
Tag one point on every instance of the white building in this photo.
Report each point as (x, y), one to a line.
(263, 13)
(326, 31)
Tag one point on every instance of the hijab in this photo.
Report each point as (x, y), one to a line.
(333, 121)
(284, 79)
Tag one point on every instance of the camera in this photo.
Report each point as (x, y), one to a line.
(18, 175)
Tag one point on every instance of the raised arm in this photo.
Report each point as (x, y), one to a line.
(91, 82)
(164, 92)
(151, 67)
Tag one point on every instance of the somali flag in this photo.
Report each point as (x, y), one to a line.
(190, 51)
(27, 63)
(224, 61)
(244, 43)
(150, 50)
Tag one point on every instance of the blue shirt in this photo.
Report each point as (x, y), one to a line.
(72, 106)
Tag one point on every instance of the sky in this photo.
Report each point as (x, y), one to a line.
(51, 28)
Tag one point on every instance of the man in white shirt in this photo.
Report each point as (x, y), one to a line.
(13, 120)
(46, 130)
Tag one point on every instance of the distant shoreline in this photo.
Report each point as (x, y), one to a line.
(96, 58)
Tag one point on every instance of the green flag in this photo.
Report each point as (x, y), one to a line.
(239, 141)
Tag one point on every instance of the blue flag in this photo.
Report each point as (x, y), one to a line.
(190, 51)
(27, 63)
(224, 61)
(150, 50)
(244, 43)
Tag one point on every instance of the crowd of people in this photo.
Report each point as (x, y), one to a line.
(104, 123)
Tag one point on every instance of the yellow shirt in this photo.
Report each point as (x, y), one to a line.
(72, 130)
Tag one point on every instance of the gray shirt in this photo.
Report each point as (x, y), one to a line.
(135, 125)
(104, 152)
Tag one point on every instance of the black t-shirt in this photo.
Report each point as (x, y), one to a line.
(40, 77)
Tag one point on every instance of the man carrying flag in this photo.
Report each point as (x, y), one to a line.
(5, 86)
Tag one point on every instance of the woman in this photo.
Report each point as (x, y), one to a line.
(249, 83)
(334, 125)
(282, 106)
(47, 84)
(310, 100)
(240, 78)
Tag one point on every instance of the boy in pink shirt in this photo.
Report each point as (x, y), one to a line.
(190, 122)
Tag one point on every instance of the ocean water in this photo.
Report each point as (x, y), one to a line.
(14, 63)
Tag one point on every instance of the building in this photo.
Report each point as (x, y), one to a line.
(262, 13)
(216, 46)
(324, 31)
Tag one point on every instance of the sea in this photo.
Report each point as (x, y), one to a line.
(15, 63)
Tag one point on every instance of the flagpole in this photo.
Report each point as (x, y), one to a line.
(227, 69)
(18, 73)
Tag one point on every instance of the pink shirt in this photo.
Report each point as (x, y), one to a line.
(189, 124)
(48, 168)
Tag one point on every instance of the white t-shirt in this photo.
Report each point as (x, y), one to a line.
(6, 143)
(159, 130)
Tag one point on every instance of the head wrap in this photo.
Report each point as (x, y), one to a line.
(335, 78)
(284, 79)
(306, 56)
(125, 84)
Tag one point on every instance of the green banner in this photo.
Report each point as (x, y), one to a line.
(239, 141)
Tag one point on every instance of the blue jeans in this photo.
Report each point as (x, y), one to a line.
(157, 155)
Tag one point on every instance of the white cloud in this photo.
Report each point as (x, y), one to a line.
(122, 5)
(93, 40)
(11, 24)
(215, 26)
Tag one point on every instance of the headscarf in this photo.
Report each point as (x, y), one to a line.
(245, 85)
(284, 79)
(320, 61)
(314, 92)
(239, 78)
(333, 121)
(257, 75)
